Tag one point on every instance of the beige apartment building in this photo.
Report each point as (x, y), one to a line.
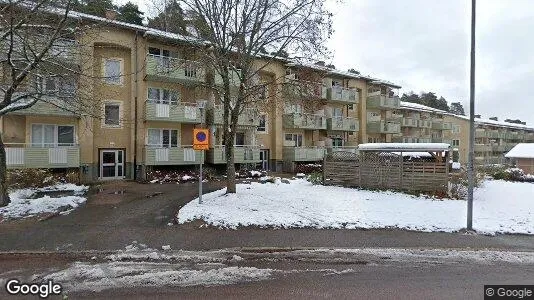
(148, 91)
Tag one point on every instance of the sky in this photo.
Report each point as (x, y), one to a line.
(424, 45)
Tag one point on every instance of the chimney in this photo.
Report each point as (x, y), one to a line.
(320, 63)
(111, 14)
(477, 116)
(494, 119)
(524, 123)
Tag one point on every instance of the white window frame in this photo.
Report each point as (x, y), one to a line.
(294, 138)
(161, 99)
(112, 102)
(55, 143)
(266, 128)
(107, 79)
(161, 145)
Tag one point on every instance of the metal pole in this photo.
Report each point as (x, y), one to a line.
(470, 167)
(200, 178)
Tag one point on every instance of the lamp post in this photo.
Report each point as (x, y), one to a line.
(470, 167)
(201, 104)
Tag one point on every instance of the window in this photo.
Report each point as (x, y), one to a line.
(337, 142)
(163, 96)
(112, 71)
(49, 135)
(296, 138)
(455, 143)
(293, 108)
(263, 124)
(455, 128)
(337, 112)
(165, 138)
(112, 114)
(264, 92)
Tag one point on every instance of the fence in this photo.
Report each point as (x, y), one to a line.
(386, 170)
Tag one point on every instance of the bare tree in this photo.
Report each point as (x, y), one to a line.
(238, 35)
(41, 63)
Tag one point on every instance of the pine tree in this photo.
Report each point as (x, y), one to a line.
(130, 13)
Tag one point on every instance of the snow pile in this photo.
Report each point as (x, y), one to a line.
(97, 277)
(456, 166)
(500, 207)
(23, 206)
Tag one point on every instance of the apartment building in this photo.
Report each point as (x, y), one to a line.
(421, 124)
(148, 91)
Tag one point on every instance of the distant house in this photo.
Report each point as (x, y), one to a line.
(523, 156)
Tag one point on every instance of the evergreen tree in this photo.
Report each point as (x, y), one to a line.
(457, 108)
(96, 7)
(171, 18)
(130, 13)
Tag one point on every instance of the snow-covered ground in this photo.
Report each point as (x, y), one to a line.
(499, 207)
(24, 204)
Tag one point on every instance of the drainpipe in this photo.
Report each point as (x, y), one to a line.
(135, 109)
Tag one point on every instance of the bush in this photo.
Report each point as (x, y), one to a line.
(459, 183)
(316, 178)
(308, 168)
(36, 178)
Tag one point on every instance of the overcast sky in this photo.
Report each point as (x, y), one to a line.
(423, 45)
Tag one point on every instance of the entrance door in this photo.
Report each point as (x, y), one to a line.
(111, 164)
(264, 157)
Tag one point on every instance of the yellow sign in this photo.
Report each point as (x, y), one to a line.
(200, 139)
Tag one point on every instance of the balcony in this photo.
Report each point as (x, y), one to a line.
(50, 106)
(179, 112)
(234, 78)
(424, 123)
(408, 122)
(342, 95)
(19, 156)
(383, 102)
(249, 117)
(304, 121)
(303, 153)
(304, 89)
(351, 149)
(424, 140)
(482, 148)
(342, 124)
(440, 125)
(242, 155)
(163, 68)
(156, 156)
(383, 127)
(404, 139)
(529, 137)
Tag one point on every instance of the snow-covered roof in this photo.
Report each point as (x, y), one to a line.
(404, 147)
(522, 150)
(331, 71)
(414, 154)
(502, 124)
(420, 107)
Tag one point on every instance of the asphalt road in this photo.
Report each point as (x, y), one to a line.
(448, 274)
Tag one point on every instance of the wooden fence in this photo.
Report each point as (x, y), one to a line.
(383, 170)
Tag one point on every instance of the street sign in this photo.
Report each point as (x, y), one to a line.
(200, 139)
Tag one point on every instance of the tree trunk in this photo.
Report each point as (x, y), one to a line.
(4, 195)
(230, 165)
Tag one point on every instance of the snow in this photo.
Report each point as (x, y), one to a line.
(97, 277)
(255, 173)
(499, 207)
(22, 206)
(300, 175)
(404, 146)
(414, 154)
(419, 107)
(522, 150)
(187, 177)
(456, 165)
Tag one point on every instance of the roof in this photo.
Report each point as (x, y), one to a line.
(522, 150)
(420, 107)
(331, 71)
(404, 147)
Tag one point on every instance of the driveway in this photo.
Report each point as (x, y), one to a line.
(123, 212)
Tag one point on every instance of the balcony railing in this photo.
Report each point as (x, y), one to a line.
(234, 78)
(50, 106)
(383, 127)
(342, 95)
(242, 154)
(249, 117)
(482, 148)
(342, 124)
(174, 69)
(303, 153)
(409, 122)
(184, 155)
(351, 149)
(383, 102)
(304, 89)
(440, 125)
(179, 112)
(304, 121)
(20, 156)
(424, 123)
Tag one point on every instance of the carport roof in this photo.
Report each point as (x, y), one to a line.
(404, 147)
